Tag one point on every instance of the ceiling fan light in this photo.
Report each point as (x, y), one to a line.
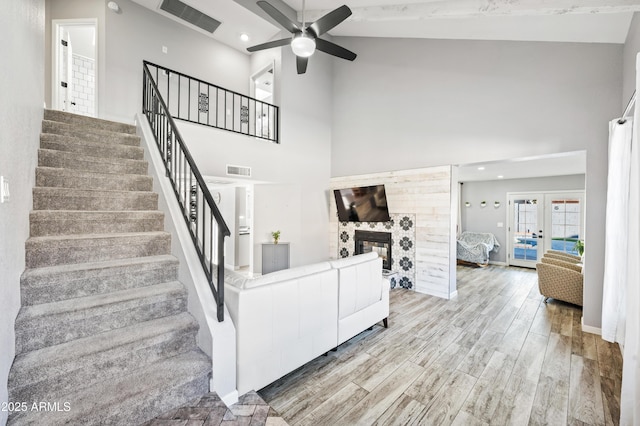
(303, 46)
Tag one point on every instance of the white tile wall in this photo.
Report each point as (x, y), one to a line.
(83, 86)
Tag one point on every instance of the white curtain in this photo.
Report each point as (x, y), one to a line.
(623, 292)
(617, 232)
(630, 398)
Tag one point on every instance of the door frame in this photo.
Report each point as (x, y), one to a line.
(56, 24)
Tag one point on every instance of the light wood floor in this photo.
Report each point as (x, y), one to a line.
(495, 355)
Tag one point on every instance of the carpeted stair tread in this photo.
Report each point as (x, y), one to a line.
(92, 199)
(131, 399)
(60, 282)
(82, 248)
(67, 222)
(93, 148)
(89, 134)
(84, 361)
(63, 178)
(89, 122)
(87, 162)
(49, 324)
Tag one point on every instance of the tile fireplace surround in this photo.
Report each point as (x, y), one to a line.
(403, 243)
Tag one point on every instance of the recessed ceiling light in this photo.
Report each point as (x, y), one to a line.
(244, 37)
(500, 176)
(481, 168)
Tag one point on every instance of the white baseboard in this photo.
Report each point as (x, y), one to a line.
(589, 329)
(230, 398)
(495, 262)
(453, 295)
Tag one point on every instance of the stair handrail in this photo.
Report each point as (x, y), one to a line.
(232, 111)
(167, 136)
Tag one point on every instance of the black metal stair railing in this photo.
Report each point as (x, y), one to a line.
(206, 225)
(196, 101)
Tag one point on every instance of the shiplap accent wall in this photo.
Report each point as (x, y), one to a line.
(427, 193)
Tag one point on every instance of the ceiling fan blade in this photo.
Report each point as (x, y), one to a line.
(269, 45)
(279, 17)
(301, 64)
(335, 50)
(330, 20)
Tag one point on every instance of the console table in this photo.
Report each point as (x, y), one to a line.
(274, 257)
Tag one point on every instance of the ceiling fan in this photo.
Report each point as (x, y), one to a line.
(306, 38)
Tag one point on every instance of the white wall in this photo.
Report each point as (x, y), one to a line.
(227, 208)
(22, 71)
(279, 207)
(300, 162)
(631, 49)
(407, 103)
(306, 132)
(478, 219)
(138, 34)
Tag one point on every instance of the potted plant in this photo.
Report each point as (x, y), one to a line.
(276, 236)
(579, 247)
(483, 203)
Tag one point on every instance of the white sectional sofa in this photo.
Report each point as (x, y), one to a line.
(287, 318)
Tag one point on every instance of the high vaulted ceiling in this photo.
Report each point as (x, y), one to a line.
(588, 21)
(585, 21)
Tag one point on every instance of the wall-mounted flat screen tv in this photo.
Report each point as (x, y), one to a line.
(362, 204)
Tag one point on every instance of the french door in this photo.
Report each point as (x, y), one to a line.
(565, 217)
(543, 221)
(526, 229)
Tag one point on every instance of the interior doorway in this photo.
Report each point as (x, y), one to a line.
(74, 57)
(262, 88)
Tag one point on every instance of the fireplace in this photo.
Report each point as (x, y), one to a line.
(380, 242)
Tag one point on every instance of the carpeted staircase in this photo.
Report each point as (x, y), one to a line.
(103, 335)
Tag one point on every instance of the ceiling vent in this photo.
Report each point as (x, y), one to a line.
(238, 171)
(189, 14)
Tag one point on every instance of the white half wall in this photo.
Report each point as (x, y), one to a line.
(21, 112)
(410, 103)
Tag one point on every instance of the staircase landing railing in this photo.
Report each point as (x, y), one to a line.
(206, 225)
(196, 101)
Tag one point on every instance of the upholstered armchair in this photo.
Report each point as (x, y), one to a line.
(563, 263)
(563, 256)
(560, 280)
(474, 247)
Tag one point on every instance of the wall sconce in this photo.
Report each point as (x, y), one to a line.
(113, 6)
(496, 204)
(467, 204)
